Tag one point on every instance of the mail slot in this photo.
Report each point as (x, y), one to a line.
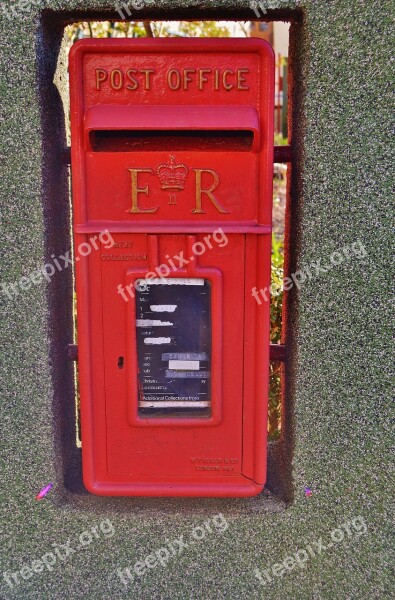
(172, 161)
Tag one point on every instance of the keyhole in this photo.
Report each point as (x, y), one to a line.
(120, 362)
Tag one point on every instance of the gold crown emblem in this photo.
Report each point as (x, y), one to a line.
(171, 175)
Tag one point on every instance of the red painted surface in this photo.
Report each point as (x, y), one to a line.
(135, 104)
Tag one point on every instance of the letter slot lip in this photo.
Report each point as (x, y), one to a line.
(223, 119)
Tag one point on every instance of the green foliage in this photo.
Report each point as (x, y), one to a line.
(279, 140)
(276, 306)
(203, 29)
(104, 29)
(135, 29)
(276, 302)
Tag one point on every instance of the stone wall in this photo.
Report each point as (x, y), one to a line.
(336, 435)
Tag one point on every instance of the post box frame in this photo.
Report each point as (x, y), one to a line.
(252, 479)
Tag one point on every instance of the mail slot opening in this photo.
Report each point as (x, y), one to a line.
(140, 141)
(173, 330)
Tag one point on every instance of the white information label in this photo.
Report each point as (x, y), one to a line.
(184, 365)
(152, 323)
(163, 307)
(159, 340)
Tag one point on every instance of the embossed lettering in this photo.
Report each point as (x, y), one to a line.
(136, 191)
(174, 85)
(202, 77)
(208, 191)
(101, 75)
(116, 79)
(135, 83)
(147, 73)
(187, 78)
(227, 86)
(241, 79)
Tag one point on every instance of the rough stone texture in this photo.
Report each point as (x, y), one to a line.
(337, 432)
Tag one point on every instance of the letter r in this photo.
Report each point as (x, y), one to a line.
(209, 192)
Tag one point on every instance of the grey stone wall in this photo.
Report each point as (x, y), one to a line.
(337, 431)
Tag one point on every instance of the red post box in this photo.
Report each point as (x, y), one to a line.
(172, 157)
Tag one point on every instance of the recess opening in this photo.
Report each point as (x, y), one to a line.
(275, 33)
